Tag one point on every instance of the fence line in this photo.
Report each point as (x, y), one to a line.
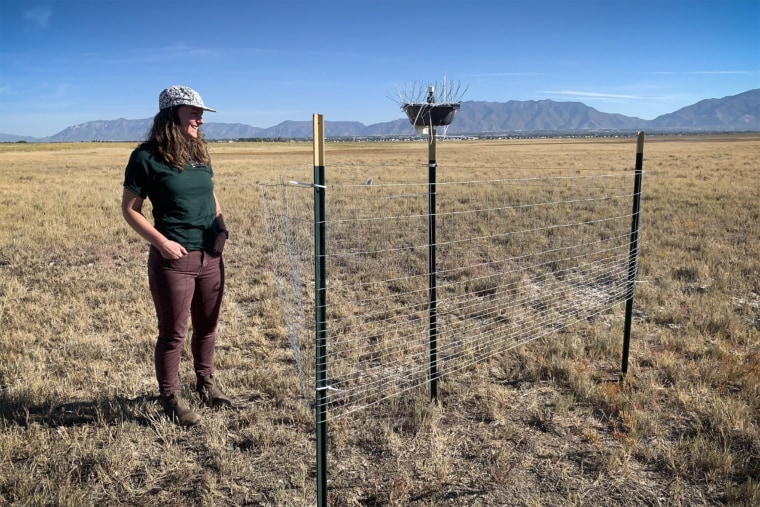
(517, 259)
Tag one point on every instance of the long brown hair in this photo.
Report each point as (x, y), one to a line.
(168, 141)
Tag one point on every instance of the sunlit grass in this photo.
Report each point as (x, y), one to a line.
(544, 424)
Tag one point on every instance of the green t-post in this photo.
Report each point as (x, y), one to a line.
(634, 250)
(320, 306)
(432, 282)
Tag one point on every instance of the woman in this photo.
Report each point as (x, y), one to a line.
(185, 268)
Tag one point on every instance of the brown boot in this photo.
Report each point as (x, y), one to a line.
(210, 392)
(178, 412)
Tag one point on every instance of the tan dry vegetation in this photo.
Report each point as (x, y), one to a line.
(544, 424)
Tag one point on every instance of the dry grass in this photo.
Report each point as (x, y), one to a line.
(544, 424)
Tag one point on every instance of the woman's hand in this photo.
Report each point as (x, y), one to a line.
(171, 250)
(131, 209)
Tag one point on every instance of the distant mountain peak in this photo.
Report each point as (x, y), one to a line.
(733, 113)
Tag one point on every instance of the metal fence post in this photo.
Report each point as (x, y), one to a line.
(432, 281)
(320, 310)
(633, 254)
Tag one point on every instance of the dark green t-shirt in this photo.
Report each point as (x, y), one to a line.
(184, 209)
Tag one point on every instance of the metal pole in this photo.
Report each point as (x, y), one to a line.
(432, 288)
(320, 307)
(634, 250)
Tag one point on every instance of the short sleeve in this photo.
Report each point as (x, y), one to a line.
(137, 174)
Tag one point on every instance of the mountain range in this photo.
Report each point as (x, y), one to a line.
(728, 114)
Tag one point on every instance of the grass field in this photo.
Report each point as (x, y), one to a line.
(543, 424)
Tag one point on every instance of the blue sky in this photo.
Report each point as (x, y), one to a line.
(65, 62)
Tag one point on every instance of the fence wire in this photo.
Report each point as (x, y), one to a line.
(517, 259)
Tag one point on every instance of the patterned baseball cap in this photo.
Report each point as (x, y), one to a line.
(181, 96)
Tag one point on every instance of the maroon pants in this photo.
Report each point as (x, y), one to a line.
(182, 289)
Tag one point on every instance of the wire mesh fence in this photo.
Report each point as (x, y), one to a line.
(518, 258)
